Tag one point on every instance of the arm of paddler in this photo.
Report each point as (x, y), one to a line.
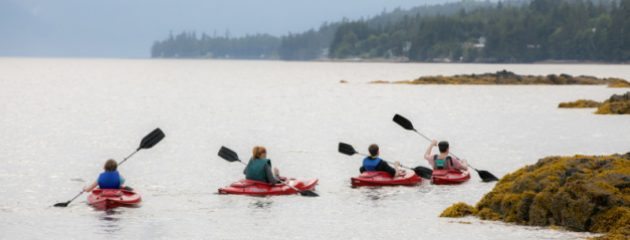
(90, 187)
(427, 155)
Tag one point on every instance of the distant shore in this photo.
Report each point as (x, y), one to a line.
(400, 60)
(404, 60)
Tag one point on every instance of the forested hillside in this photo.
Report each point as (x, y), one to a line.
(467, 31)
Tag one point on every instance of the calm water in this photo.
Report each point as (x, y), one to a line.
(62, 118)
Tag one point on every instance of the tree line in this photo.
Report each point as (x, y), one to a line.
(467, 31)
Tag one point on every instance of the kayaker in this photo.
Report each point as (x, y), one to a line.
(109, 179)
(374, 163)
(259, 167)
(443, 160)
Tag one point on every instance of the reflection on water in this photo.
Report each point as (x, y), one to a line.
(261, 204)
(377, 196)
(110, 221)
(374, 193)
(425, 188)
(77, 180)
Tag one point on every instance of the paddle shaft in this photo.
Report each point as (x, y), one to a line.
(75, 197)
(130, 155)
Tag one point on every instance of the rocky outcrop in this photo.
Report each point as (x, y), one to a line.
(616, 104)
(582, 103)
(579, 193)
(509, 78)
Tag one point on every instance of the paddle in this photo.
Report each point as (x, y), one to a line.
(231, 156)
(421, 171)
(147, 142)
(406, 124)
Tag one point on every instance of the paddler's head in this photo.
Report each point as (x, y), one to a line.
(443, 146)
(259, 152)
(110, 165)
(373, 149)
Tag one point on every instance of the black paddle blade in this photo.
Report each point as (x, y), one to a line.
(228, 154)
(403, 122)
(346, 149)
(486, 176)
(62, 204)
(423, 172)
(153, 138)
(308, 193)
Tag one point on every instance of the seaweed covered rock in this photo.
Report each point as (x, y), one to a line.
(616, 104)
(580, 193)
(582, 103)
(459, 209)
(505, 77)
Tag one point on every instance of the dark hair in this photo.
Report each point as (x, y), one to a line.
(373, 149)
(111, 165)
(443, 146)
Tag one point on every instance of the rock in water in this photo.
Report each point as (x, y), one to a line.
(616, 104)
(582, 103)
(580, 193)
(458, 210)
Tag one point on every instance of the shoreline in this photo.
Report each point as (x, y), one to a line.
(546, 62)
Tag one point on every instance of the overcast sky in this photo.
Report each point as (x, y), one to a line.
(127, 28)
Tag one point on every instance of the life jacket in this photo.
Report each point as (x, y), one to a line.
(370, 163)
(442, 163)
(109, 180)
(255, 169)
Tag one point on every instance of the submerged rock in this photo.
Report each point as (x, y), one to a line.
(509, 78)
(379, 82)
(582, 103)
(579, 193)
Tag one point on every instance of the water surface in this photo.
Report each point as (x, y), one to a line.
(62, 118)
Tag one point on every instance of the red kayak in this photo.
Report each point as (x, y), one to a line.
(378, 178)
(103, 199)
(257, 188)
(442, 177)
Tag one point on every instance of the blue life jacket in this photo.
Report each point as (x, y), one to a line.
(109, 180)
(370, 163)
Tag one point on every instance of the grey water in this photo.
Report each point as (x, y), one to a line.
(62, 118)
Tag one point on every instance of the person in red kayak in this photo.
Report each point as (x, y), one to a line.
(109, 179)
(374, 163)
(443, 160)
(259, 167)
